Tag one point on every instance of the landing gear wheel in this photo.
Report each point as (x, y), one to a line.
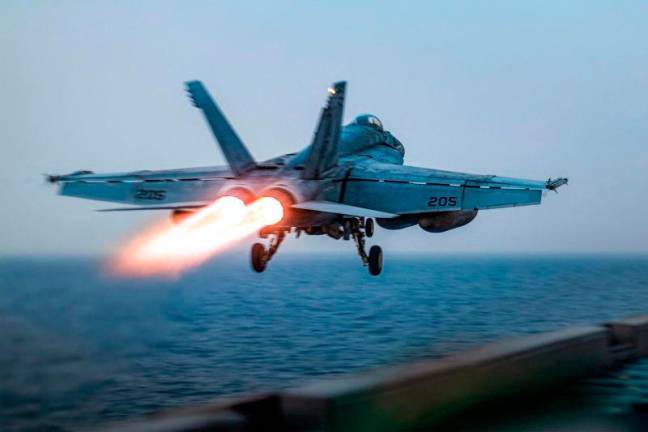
(375, 260)
(369, 227)
(258, 257)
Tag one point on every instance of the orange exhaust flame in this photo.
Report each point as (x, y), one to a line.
(168, 250)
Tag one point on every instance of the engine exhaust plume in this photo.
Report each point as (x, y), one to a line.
(168, 249)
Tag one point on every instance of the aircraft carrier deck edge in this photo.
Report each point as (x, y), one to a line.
(478, 389)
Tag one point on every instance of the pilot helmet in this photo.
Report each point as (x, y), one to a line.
(369, 120)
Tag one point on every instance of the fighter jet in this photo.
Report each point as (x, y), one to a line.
(347, 178)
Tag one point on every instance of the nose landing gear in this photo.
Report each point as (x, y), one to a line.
(369, 227)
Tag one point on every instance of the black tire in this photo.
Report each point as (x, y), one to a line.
(369, 227)
(258, 256)
(375, 260)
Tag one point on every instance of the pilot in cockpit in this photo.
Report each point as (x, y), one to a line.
(369, 120)
(386, 138)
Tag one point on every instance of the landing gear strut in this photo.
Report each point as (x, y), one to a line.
(359, 230)
(260, 256)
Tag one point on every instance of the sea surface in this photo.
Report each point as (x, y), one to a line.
(79, 348)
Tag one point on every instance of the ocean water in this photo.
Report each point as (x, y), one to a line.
(79, 349)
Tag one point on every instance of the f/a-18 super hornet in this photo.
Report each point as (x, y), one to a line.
(347, 178)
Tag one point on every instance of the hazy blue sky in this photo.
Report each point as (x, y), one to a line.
(527, 89)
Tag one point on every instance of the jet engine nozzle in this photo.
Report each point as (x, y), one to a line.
(242, 193)
(284, 197)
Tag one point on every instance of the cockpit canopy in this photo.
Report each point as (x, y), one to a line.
(369, 120)
(360, 140)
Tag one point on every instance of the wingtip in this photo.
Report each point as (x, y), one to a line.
(51, 178)
(554, 184)
(57, 178)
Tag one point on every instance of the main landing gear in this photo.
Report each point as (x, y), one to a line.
(260, 256)
(357, 228)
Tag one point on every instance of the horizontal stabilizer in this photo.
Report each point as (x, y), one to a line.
(343, 209)
(238, 157)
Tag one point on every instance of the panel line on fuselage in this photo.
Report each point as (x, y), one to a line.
(344, 181)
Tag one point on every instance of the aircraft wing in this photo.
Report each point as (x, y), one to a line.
(402, 189)
(145, 188)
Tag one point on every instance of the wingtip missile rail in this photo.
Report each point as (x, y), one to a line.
(554, 184)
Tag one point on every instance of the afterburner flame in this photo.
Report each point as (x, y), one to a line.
(267, 208)
(169, 249)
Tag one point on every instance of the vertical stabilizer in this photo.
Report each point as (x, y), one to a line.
(238, 157)
(324, 149)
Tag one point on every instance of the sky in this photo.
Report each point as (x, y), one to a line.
(518, 89)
